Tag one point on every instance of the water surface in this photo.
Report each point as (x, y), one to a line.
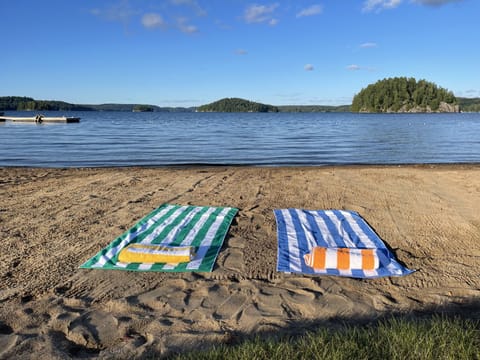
(159, 139)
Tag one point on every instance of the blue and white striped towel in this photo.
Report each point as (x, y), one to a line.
(299, 231)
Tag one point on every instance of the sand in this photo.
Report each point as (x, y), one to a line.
(53, 220)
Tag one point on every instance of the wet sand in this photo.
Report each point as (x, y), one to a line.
(53, 220)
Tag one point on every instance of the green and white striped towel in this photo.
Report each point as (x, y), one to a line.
(202, 227)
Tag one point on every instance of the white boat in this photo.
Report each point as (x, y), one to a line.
(41, 119)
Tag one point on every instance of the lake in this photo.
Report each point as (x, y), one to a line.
(273, 139)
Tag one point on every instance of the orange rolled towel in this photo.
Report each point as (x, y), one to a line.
(321, 258)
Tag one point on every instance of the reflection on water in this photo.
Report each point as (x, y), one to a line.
(156, 139)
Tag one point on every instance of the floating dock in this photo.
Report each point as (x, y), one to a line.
(41, 119)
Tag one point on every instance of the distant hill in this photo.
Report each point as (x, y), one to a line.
(139, 108)
(469, 104)
(313, 108)
(12, 103)
(236, 105)
(26, 103)
(403, 94)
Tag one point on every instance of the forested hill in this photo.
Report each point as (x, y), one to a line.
(403, 94)
(236, 105)
(469, 104)
(12, 103)
(313, 108)
(26, 103)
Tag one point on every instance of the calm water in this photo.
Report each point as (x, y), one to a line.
(156, 139)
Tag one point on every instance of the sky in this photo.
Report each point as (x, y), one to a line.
(192, 52)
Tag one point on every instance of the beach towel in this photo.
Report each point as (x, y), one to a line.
(332, 242)
(171, 238)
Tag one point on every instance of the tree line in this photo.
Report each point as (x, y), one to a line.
(313, 108)
(469, 104)
(388, 95)
(22, 103)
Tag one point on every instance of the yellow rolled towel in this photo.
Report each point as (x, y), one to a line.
(321, 258)
(150, 254)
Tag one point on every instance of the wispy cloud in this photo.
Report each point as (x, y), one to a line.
(355, 67)
(185, 27)
(261, 14)
(310, 11)
(273, 22)
(470, 93)
(241, 52)
(308, 67)
(435, 2)
(152, 21)
(121, 12)
(368, 45)
(192, 4)
(124, 13)
(378, 5)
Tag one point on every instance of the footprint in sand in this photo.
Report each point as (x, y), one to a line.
(94, 330)
(7, 339)
(231, 307)
(234, 261)
(7, 342)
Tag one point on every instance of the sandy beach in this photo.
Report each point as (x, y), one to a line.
(53, 220)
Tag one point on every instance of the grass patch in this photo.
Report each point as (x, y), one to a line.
(437, 337)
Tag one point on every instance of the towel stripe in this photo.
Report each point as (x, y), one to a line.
(283, 255)
(206, 250)
(298, 231)
(164, 227)
(202, 227)
(187, 231)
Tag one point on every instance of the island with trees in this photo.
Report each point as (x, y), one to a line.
(236, 105)
(142, 108)
(403, 94)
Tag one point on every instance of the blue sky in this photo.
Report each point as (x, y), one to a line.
(192, 52)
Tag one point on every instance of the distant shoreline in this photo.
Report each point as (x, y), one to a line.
(129, 108)
(16, 103)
